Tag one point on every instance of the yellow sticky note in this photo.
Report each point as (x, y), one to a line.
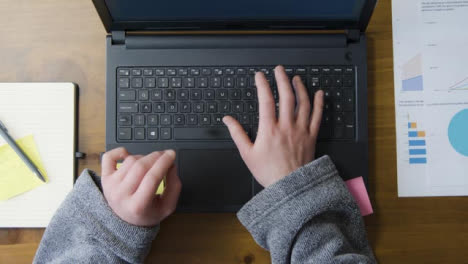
(160, 189)
(15, 177)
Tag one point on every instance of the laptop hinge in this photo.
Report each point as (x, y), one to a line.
(353, 35)
(118, 37)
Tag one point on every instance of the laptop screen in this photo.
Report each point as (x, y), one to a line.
(237, 10)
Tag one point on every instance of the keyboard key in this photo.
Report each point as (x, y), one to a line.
(166, 133)
(215, 82)
(337, 81)
(225, 106)
(143, 95)
(195, 133)
(238, 106)
(337, 70)
(156, 95)
(158, 107)
(244, 119)
(289, 71)
(124, 133)
(241, 71)
(235, 94)
(139, 120)
(248, 94)
(348, 81)
(128, 107)
(198, 107)
(195, 94)
(206, 71)
(163, 82)
(251, 106)
(205, 119)
(166, 120)
(189, 82)
(222, 94)
(172, 107)
(176, 82)
(125, 120)
(326, 70)
(124, 83)
(230, 71)
(137, 82)
(301, 71)
(349, 70)
(192, 119)
(150, 82)
(209, 94)
(212, 107)
(148, 72)
(146, 107)
(169, 95)
(127, 95)
(139, 133)
(185, 107)
(152, 133)
(202, 82)
(218, 119)
(179, 119)
(171, 72)
(136, 72)
(242, 82)
(152, 120)
(183, 95)
(183, 72)
(124, 72)
(314, 70)
(218, 71)
(229, 82)
(159, 72)
(194, 72)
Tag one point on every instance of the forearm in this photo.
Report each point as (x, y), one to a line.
(85, 229)
(308, 217)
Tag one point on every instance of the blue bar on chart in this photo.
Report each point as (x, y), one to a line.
(417, 142)
(417, 151)
(417, 160)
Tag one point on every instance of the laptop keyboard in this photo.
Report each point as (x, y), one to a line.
(188, 103)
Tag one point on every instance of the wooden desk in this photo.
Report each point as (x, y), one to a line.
(52, 40)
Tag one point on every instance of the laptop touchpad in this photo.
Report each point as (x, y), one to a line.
(213, 180)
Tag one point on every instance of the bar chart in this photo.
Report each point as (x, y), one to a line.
(416, 144)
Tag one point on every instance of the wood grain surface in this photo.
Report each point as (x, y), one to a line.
(53, 40)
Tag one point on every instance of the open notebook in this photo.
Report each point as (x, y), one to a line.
(47, 111)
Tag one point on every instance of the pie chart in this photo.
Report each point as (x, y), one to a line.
(458, 132)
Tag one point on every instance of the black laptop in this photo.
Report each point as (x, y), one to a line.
(171, 77)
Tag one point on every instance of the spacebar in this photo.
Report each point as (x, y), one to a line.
(206, 133)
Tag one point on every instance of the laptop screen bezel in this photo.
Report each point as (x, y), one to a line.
(112, 25)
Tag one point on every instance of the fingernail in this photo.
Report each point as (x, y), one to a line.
(170, 152)
(225, 120)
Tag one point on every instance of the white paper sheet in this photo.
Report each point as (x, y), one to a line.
(430, 43)
(45, 110)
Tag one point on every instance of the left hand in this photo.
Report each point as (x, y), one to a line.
(130, 190)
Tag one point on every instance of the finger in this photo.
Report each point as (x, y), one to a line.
(316, 114)
(148, 186)
(303, 102)
(109, 160)
(124, 168)
(266, 103)
(139, 169)
(168, 201)
(238, 134)
(286, 96)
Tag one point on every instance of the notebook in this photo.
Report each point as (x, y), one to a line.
(46, 111)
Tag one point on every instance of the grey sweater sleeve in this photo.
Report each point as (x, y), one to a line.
(308, 217)
(86, 230)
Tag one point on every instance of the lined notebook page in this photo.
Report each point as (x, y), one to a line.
(47, 111)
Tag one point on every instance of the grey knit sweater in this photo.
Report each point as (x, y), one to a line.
(307, 217)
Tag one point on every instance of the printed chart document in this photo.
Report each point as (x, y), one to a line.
(430, 42)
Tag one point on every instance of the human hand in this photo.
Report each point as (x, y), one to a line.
(130, 190)
(285, 143)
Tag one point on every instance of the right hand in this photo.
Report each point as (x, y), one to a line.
(285, 143)
(130, 190)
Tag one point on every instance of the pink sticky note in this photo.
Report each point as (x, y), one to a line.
(358, 190)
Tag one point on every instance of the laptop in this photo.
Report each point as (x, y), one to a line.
(175, 68)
